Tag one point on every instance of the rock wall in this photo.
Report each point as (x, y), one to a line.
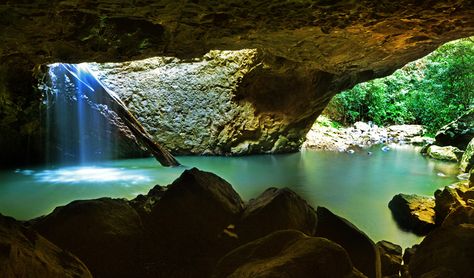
(307, 52)
(201, 106)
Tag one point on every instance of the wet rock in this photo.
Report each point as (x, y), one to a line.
(276, 209)
(287, 253)
(324, 136)
(467, 159)
(457, 133)
(361, 249)
(446, 200)
(390, 257)
(191, 226)
(447, 248)
(413, 212)
(24, 253)
(440, 272)
(448, 153)
(471, 178)
(107, 234)
(408, 254)
(460, 215)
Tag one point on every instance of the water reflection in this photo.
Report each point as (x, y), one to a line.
(356, 186)
(75, 175)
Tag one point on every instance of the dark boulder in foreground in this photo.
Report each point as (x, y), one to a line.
(457, 133)
(288, 253)
(191, 226)
(448, 251)
(24, 253)
(105, 233)
(361, 249)
(276, 209)
(414, 213)
(390, 257)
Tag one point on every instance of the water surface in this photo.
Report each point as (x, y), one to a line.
(356, 186)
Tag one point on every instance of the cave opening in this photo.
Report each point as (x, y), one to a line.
(97, 204)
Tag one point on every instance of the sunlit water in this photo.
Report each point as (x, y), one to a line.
(356, 186)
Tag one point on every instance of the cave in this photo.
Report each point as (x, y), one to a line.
(224, 95)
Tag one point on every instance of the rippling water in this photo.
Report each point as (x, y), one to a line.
(356, 186)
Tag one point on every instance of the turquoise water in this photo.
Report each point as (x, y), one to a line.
(356, 186)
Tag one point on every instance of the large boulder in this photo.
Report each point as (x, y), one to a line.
(287, 253)
(447, 250)
(414, 213)
(448, 153)
(446, 200)
(107, 234)
(24, 253)
(276, 209)
(457, 133)
(361, 249)
(390, 257)
(460, 215)
(191, 226)
(467, 159)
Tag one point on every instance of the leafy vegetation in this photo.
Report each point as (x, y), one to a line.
(431, 91)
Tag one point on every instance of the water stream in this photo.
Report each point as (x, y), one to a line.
(356, 186)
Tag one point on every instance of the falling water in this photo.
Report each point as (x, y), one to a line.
(78, 123)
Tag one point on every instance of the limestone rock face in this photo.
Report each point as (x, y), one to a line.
(196, 107)
(413, 212)
(308, 51)
(107, 234)
(448, 153)
(457, 133)
(467, 160)
(24, 253)
(287, 253)
(361, 249)
(276, 209)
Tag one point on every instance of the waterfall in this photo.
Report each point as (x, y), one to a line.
(78, 123)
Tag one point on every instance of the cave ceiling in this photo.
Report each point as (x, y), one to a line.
(338, 37)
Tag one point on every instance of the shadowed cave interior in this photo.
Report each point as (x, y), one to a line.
(247, 180)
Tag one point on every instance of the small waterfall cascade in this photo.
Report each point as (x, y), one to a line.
(77, 119)
(88, 122)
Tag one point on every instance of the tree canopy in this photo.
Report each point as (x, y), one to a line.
(431, 91)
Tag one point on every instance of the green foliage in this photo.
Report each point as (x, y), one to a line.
(431, 91)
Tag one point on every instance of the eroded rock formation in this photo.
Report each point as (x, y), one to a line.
(308, 51)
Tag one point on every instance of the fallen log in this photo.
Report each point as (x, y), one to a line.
(95, 90)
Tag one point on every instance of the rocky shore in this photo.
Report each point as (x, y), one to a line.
(325, 136)
(198, 226)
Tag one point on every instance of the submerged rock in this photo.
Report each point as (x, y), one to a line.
(390, 258)
(361, 249)
(107, 234)
(276, 209)
(413, 212)
(445, 252)
(448, 153)
(24, 253)
(457, 133)
(287, 253)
